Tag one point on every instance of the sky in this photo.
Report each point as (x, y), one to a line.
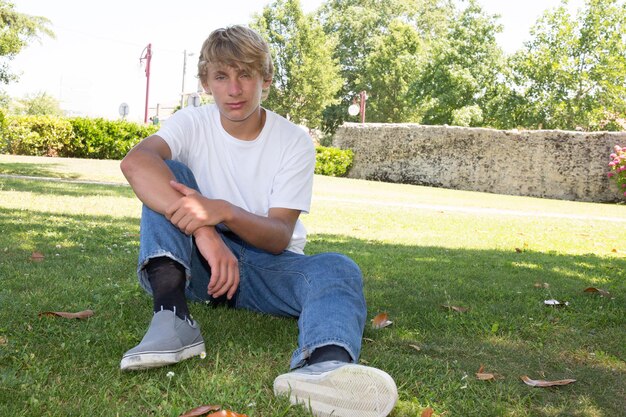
(92, 66)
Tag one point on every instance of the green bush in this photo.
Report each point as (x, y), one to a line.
(73, 138)
(36, 135)
(333, 162)
(107, 139)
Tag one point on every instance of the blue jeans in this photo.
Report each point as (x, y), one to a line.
(324, 291)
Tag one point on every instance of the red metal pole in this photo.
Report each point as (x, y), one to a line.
(148, 58)
(362, 105)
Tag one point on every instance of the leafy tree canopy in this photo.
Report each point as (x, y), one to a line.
(572, 73)
(307, 77)
(17, 30)
(463, 74)
(38, 104)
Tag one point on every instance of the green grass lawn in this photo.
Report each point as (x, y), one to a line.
(419, 248)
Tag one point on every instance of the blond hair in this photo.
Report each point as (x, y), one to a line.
(238, 47)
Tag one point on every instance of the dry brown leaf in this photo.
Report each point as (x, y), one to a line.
(381, 321)
(603, 293)
(543, 384)
(542, 285)
(456, 308)
(416, 347)
(80, 315)
(226, 413)
(518, 250)
(428, 412)
(198, 411)
(484, 376)
(36, 257)
(368, 340)
(3, 340)
(614, 250)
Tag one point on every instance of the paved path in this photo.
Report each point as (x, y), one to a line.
(474, 210)
(362, 202)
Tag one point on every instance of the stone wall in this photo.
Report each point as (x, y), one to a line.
(540, 163)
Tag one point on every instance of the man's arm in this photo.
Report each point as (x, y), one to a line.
(272, 233)
(145, 169)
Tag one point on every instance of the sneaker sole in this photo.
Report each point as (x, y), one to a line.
(147, 360)
(349, 391)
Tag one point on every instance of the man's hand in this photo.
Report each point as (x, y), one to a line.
(224, 265)
(193, 211)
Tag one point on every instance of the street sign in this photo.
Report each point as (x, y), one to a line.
(123, 109)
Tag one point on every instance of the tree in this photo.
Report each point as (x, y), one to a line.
(464, 75)
(361, 27)
(39, 104)
(16, 31)
(306, 77)
(388, 72)
(572, 72)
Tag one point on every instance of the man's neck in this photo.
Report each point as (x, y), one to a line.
(248, 129)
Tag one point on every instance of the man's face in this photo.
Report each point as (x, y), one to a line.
(237, 92)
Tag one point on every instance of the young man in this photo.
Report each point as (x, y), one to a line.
(223, 186)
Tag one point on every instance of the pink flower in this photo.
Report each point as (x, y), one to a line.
(622, 168)
(617, 148)
(623, 185)
(624, 194)
(610, 174)
(612, 163)
(613, 156)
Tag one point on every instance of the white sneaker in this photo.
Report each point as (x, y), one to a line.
(339, 389)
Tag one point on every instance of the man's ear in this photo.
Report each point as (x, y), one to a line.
(205, 86)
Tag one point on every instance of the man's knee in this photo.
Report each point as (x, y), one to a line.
(182, 173)
(341, 267)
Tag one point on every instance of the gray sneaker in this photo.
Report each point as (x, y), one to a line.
(339, 389)
(168, 340)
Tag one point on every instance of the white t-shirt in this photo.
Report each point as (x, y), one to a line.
(273, 170)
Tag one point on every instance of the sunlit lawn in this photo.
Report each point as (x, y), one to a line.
(419, 248)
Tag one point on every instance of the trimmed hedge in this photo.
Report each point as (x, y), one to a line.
(333, 162)
(98, 138)
(77, 137)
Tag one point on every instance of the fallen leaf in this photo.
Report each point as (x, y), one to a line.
(428, 412)
(416, 347)
(226, 413)
(543, 384)
(3, 340)
(80, 315)
(518, 250)
(455, 308)
(555, 303)
(603, 293)
(367, 339)
(381, 320)
(36, 257)
(198, 411)
(614, 250)
(542, 285)
(484, 376)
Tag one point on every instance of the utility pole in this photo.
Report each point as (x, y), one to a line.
(146, 55)
(182, 90)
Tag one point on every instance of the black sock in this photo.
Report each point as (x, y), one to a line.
(167, 279)
(329, 353)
